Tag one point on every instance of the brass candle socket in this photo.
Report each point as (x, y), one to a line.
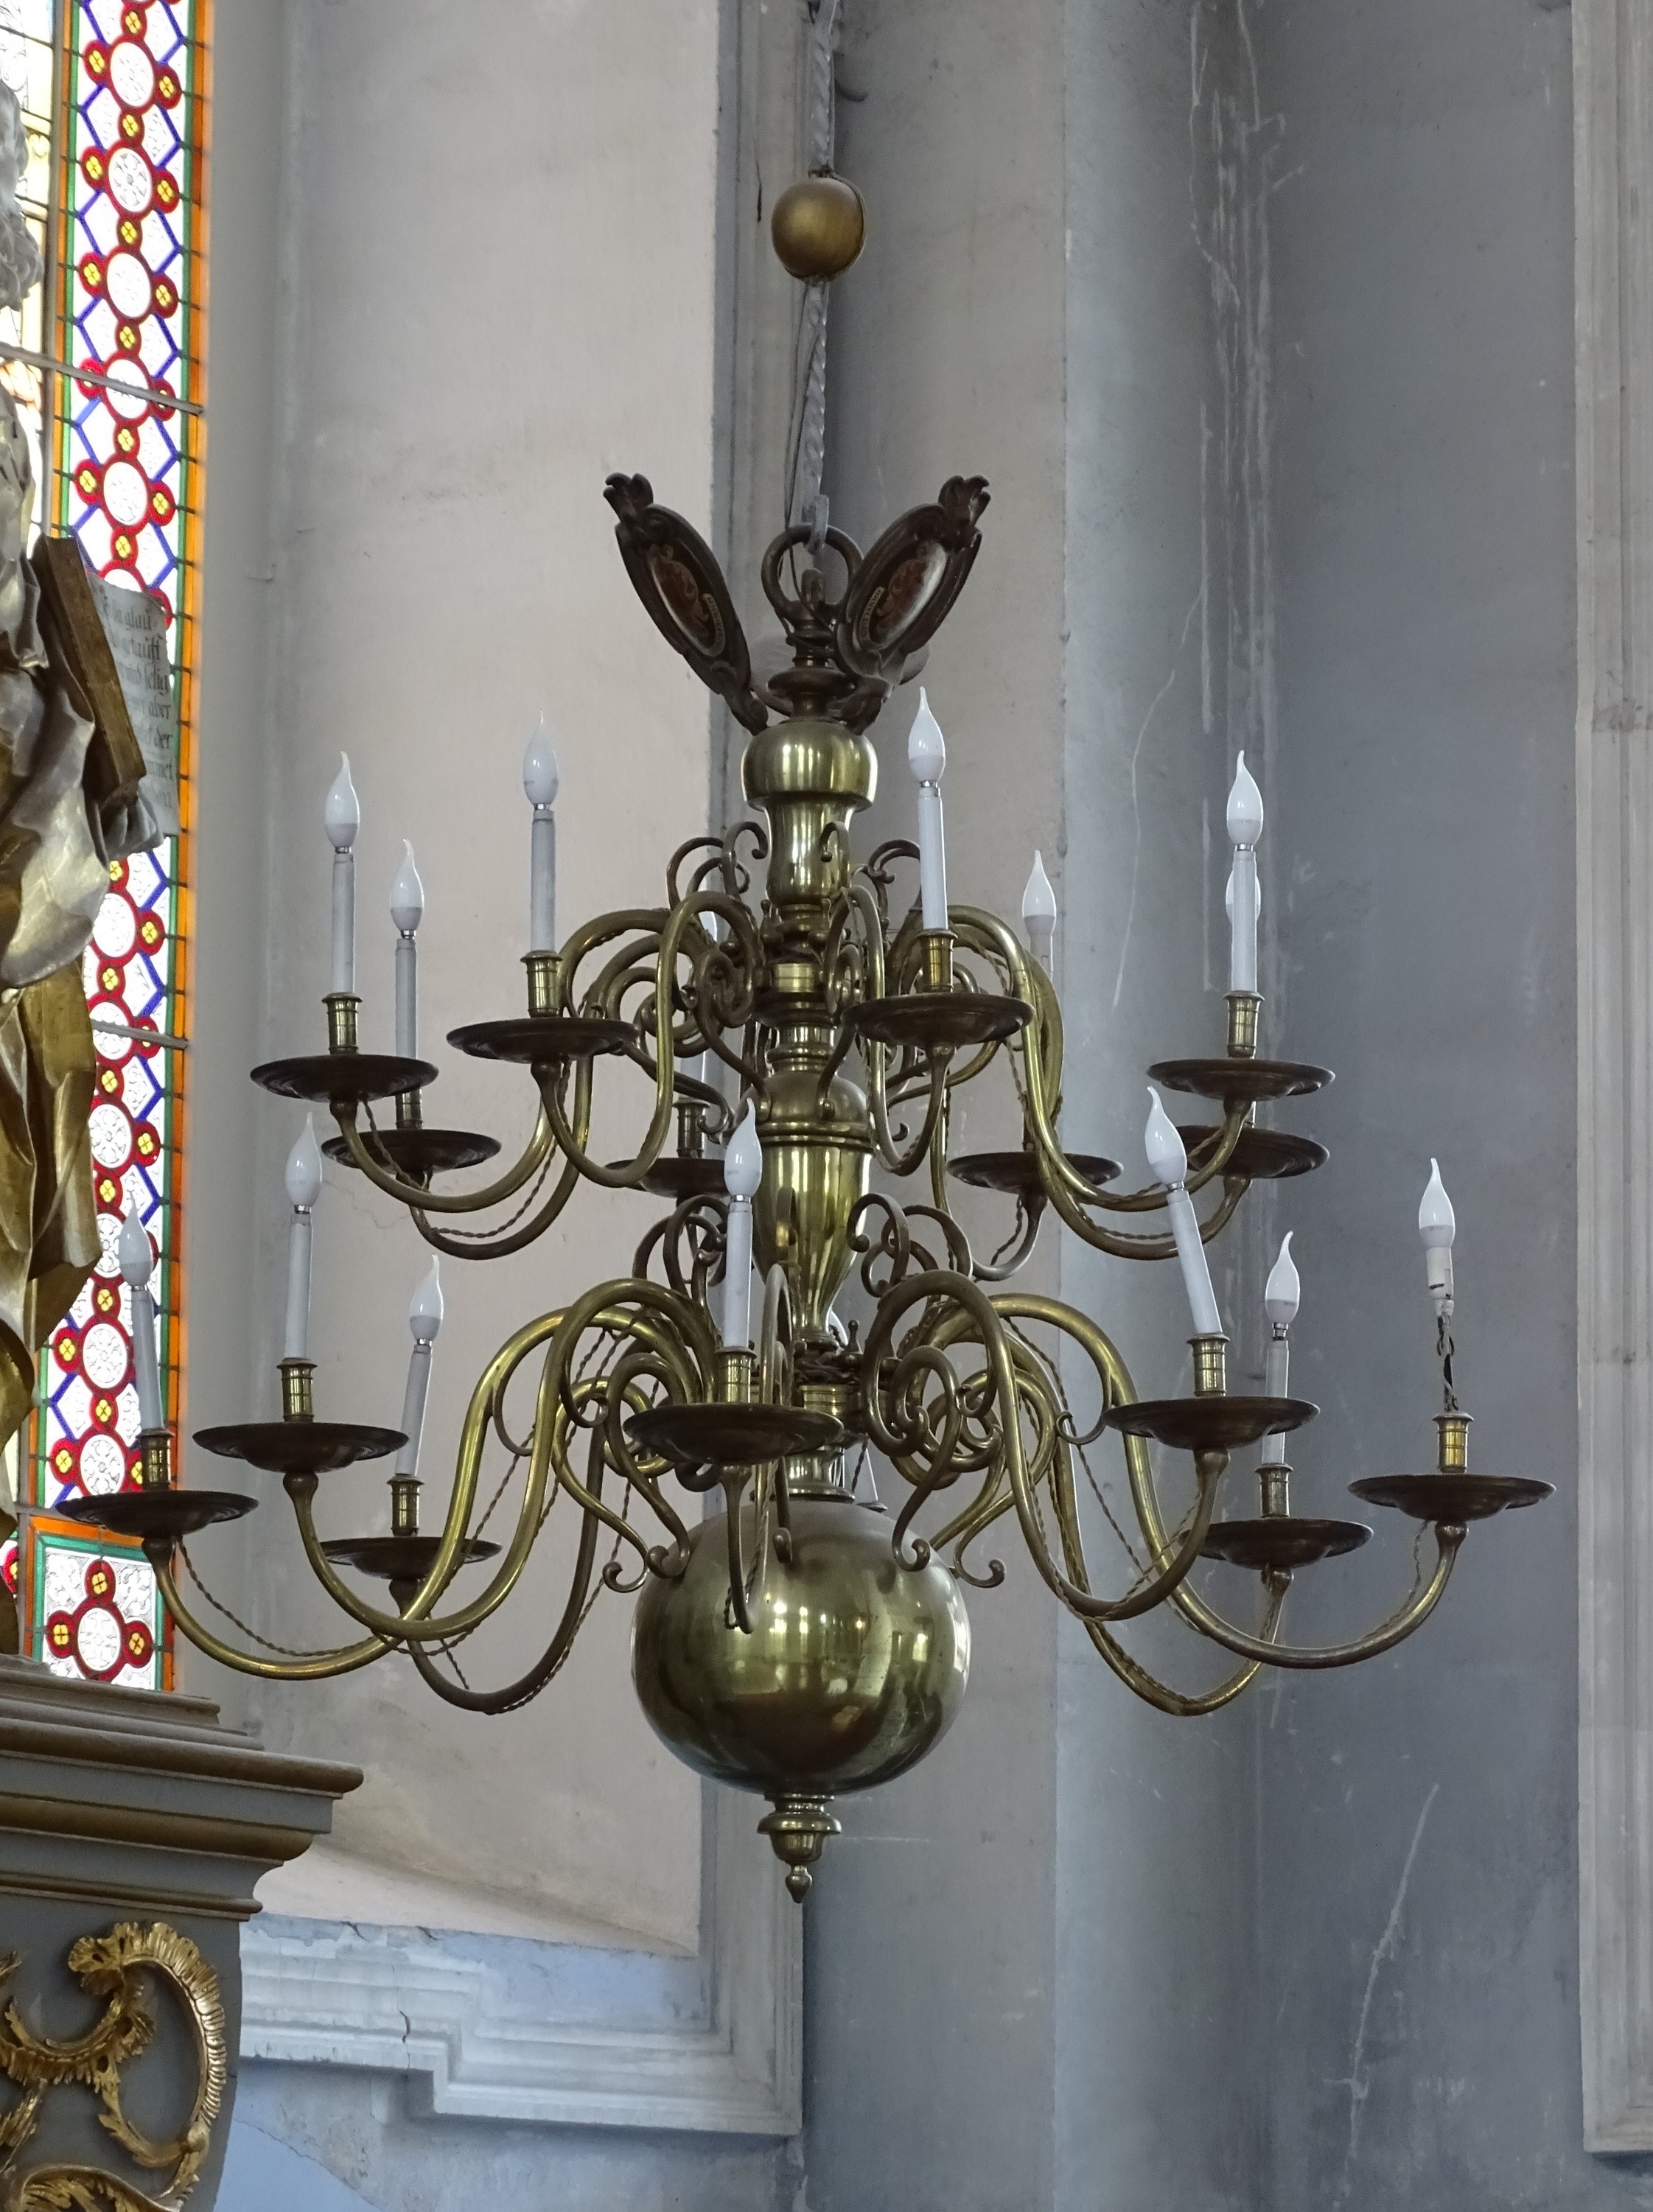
(734, 1379)
(342, 1007)
(404, 1504)
(1454, 1441)
(410, 1114)
(937, 974)
(155, 1470)
(544, 982)
(1243, 1009)
(691, 1129)
(1210, 1365)
(298, 1389)
(1275, 1484)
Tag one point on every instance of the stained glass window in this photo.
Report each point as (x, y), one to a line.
(114, 97)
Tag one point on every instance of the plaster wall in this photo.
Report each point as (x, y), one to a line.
(442, 567)
(1165, 672)
(1419, 1935)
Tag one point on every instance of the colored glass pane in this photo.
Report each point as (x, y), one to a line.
(113, 91)
(100, 1610)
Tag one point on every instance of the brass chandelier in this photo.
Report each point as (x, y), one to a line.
(803, 1641)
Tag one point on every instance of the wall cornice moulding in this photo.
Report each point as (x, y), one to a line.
(1613, 122)
(604, 2039)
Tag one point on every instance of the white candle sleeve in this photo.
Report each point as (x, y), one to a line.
(341, 816)
(931, 857)
(136, 1259)
(151, 1406)
(742, 1176)
(296, 1338)
(1196, 1274)
(1277, 1373)
(542, 882)
(1243, 939)
(344, 970)
(413, 1407)
(407, 996)
(1245, 827)
(927, 759)
(737, 1278)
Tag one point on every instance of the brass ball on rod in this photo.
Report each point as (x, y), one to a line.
(818, 227)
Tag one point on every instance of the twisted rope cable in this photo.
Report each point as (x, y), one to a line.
(807, 458)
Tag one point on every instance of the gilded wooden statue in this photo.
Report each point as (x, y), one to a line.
(61, 824)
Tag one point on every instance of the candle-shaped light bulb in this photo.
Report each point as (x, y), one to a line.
(927, 757)
(426, 1309)
(341, 813)
(341, 816)
(743, 1172)
(1168, 1157)
(539, 781)
(407, 894)
(1039, 914)
(1245, 811)
(1283, 1292)
(1438, 1226)
(1282, 1295)
(303, 1188)
(407, 912)
(424, 1321)
(539, 771)
(303, 1175)
(1168, 1161)
(1245, 822)
(135, 1253)
(137, 1257)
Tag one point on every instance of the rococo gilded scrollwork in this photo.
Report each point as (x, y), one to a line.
(809, 1637)
(113, 1967)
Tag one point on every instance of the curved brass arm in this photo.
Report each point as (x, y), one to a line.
(602, 929)
(529, 1685)
(1171, 1565)
(1176, 1704)
(1041, 1053)
(874, 1056)
(416, 1196)
(1211, 1624)
(903, 1164)
(413, 1623)
(673, 930)
(319, 1667)
(1030, 1212)
(498, 1245)
(613, 1306)
(480, 1244)
(1124, 1245)
(1312, 1658)
(387, 1631)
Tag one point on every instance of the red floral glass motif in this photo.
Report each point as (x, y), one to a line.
(102, 1643)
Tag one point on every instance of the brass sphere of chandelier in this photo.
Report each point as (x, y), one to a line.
(805, 1641)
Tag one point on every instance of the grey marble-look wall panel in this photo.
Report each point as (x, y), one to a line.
(1419, 1920)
